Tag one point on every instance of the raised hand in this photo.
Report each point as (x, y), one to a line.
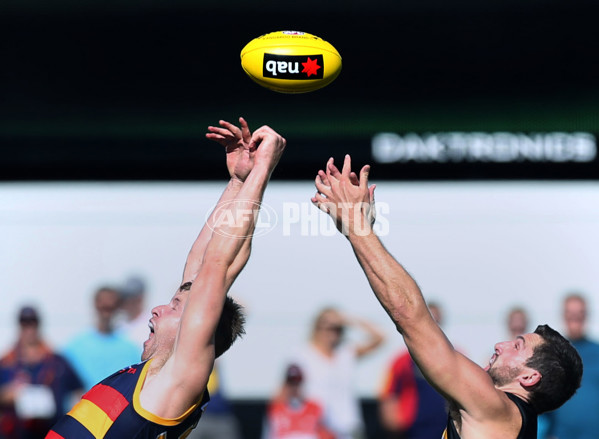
(238, 146)
(346, 197)
(269, 147)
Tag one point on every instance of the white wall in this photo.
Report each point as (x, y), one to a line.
(478, 248)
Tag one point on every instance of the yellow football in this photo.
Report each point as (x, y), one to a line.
(291, 61)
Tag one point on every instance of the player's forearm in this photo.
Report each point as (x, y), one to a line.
(252, 195)
(395, 289)
(230, 242)
(196, 254)
(241, 258)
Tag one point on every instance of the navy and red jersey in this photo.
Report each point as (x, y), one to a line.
(112, 410)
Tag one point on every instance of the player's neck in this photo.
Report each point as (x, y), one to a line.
(157, 363)
(515, 389)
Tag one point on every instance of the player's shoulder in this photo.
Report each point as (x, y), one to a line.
(495, 405)
(495, 421)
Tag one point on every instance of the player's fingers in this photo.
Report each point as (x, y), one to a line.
(321, 187)
(323, 177)
(213, 129)
(332, 171)
(321, 202)
(353, 179)
(221, 131)
(364, 172)
(346, 166)
(371, 192)
(319, 198)
(269, 138)
(235, 130)
(217, 138)
(246, 134)
(258, 136)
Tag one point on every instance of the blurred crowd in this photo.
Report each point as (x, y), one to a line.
(39, 383)
(315, 397)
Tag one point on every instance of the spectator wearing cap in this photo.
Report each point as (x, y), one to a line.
(98, 351)
(36, 384)
(291, 415)
(137, 316)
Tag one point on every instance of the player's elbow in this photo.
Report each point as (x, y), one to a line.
(404, 308)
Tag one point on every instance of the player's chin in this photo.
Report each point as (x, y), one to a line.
(146, 354)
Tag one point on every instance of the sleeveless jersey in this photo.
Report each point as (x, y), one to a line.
(529, 421)
(112, 410)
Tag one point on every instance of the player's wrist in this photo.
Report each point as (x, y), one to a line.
(263, 169)
(235, 182)
(359, 230)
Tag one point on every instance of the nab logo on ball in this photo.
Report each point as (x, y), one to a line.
(293, 67)
(291, 61)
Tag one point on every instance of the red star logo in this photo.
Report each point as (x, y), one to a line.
(310, 67)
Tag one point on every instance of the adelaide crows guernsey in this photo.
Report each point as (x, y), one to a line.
(529, 421)
(112, 410)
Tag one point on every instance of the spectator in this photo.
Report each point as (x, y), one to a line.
(409, 407)
(99, 351)
(218, 420)
(577, 419)
(133, 303)
(291, 416)
(517, 322)
(328, 365)
(36, 384)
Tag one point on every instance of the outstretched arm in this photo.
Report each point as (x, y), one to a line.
(349, 201)
(240, 154)
(185, 374)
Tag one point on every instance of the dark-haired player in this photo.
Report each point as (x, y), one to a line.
(529, 375)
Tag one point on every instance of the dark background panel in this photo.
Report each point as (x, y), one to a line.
(90, 90)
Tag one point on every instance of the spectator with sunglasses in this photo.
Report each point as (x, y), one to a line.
(328, 364)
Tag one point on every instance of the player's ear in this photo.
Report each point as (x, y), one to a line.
(529, 377)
